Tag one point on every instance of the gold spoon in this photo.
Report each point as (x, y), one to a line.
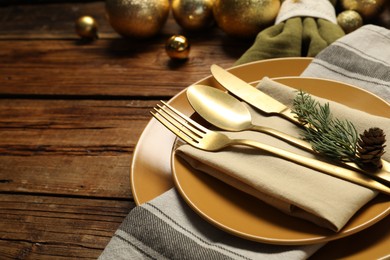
(226, 112)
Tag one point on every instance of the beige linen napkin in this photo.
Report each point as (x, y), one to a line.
(296, 190)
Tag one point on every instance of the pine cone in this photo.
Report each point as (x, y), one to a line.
(371, 148)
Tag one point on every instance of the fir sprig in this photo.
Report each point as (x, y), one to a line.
(330, 136)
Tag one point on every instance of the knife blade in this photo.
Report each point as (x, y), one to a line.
(251, 95)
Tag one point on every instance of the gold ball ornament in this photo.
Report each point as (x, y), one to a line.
(349, 20)
(193, 14)
(245, 18)
(86, 27)
(137, 18)
(178, 47)
(366, 8)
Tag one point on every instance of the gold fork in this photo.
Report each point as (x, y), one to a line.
(202, 138)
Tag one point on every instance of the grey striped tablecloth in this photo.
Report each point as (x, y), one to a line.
(166, 228)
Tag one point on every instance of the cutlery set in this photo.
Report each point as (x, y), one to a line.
(228, 113)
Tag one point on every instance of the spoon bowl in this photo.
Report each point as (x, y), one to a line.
(219, 108)
(228, 113)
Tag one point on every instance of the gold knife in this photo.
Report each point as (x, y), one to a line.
(251, 95)
(271, 106)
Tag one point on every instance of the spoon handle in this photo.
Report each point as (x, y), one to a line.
(285, 137)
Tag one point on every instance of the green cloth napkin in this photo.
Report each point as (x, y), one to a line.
(296, 37)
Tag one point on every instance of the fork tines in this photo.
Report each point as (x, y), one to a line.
(178, 123)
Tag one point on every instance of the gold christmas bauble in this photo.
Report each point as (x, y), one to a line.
(137, 18)
(178, 47)
(366, 8)
(86, 27)
(245, 18)
(349, 20)
(193, 14)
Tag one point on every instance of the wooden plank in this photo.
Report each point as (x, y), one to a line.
(82, 125)
(92, 176)
(45, 57)
(49, 227)
(105, 68)
(50, 20)
(26, 250)
(94, 139)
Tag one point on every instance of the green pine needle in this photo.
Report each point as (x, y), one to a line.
(329, 136)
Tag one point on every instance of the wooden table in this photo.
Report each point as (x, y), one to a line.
(71, 113)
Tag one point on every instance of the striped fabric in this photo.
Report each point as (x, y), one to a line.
(166, 228)
(361, 58)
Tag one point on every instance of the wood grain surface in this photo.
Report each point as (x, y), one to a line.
(71, 113)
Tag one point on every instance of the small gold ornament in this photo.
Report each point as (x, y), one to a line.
(193, 14)
(177, 47)
(137, 18)
(366, 8)
(86, 27)
(349, 20)
(245, 18)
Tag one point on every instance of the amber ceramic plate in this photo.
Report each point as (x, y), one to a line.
(151, 174)
(245, 216)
